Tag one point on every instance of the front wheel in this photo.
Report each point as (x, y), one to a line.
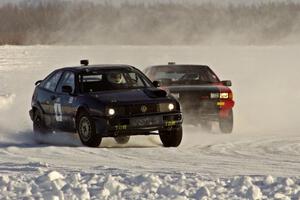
(87, 131)
(226, 123)
(171, 138)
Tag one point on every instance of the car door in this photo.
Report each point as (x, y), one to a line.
(47, 96)
(65, 105)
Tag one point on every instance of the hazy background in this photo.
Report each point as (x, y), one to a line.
(159, 22)
(265, 78)
(256, 45)
(253, 44)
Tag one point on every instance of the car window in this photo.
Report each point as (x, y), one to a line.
(102, 80)
(173, 75)
(184, 75)
(68, 79)
(135, 79)
(92, 78)
(212, 77)
(50, 84)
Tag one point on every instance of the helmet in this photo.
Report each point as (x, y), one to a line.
(115, 77)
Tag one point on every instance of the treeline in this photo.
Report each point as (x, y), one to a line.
(59, 22)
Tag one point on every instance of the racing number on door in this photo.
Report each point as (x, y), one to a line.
(58, 113)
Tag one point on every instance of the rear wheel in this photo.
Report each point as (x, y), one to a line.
(226, 123)
(171, 138)
(122, 139)
(87, 130)
(39, 126)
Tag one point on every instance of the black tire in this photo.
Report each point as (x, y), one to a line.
(206, 125)
(226, 124)
(39, 126)
(171, 138)
(87, 130)
(122, 139)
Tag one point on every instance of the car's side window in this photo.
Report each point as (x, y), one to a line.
(68, 79)
(51, 83)
(212, 77)
(91, 82)
(135, 79)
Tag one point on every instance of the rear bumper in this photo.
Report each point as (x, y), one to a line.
(114, 127)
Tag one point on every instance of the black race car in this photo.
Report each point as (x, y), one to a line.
(203, 97)
(105, 101)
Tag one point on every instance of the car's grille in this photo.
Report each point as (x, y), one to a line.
(198, 102)
(193, 96)
(140, 109)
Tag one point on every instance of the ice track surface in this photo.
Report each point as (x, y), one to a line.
(260, 160)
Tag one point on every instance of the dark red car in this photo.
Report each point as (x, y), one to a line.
(203, 97)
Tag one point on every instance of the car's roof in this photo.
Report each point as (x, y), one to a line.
(96, 67)
(179, 65)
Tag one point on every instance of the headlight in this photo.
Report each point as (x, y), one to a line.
(214, 95)
(111, 111)
(171, 107)
(224, 95)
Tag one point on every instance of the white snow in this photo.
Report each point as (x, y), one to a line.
(139, 186)
(260, 160)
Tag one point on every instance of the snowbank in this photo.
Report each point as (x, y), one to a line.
(56, 185)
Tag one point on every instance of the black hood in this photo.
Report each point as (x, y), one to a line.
(127, 96)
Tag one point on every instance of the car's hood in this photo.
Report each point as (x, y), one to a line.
(133, 95)
(194, 88)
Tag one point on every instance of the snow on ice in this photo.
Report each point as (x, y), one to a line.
(260, 160)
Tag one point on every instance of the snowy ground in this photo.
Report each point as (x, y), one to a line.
(260, 160)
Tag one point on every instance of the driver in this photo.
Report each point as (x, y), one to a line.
(115, 78)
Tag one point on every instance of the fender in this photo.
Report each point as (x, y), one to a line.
(100, 123)
(36, 106)
(79, 108)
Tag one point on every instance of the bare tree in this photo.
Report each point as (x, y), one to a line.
(59, 22)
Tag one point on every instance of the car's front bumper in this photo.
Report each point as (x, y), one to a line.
(123, 126)
(206, 110)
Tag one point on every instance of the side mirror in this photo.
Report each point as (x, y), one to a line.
(38, 82)
(156, 84)
(227, 83)
(67, 89)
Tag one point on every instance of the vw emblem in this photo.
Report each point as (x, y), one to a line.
(144, 109)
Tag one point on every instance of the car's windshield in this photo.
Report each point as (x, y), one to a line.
(170, 75)
(112, 79)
